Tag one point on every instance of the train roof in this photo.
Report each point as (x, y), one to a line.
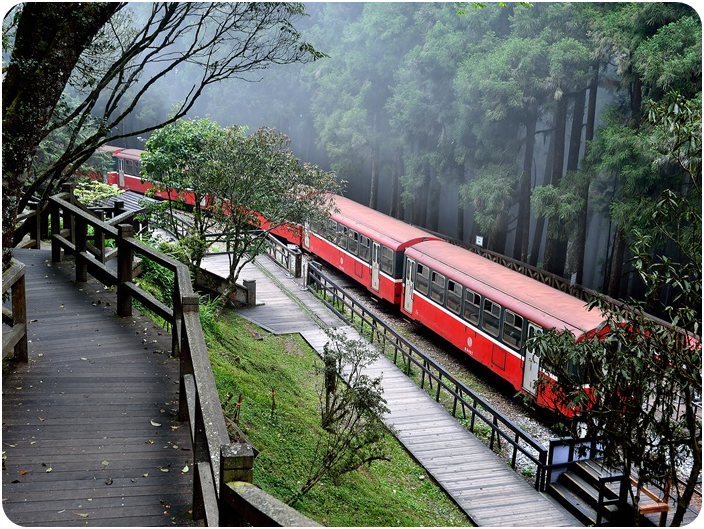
(129, 154)
(386, 230)
(540, 303)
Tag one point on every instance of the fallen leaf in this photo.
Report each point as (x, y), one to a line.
(154, 423)
(105, 463)
(23, 472)
(49, 470)
(164, 469)
(185, 469)
(146, 475)
(81, 514)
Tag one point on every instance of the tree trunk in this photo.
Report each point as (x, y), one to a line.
(582, 190)
(48, 43)
(374, 151)
(460, 207)
(520, 245)
(396, 172)
(433, 201)
(555, 247)
(616, 270)
(580, 242)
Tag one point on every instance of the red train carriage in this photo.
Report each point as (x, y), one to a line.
(487, 310)
(129, 176)
(366, 245)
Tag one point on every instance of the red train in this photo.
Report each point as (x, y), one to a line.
(483, 308)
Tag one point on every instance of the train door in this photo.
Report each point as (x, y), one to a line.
(410, 281)
(306, 235)
(531, 366)
(121, 173)
(376, 264)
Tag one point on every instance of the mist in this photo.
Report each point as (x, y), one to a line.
(415, 102)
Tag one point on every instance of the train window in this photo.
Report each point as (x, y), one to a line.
(437, 287)
(472, 306)
(342, 236)
(422, 278)
(492, 315)
(454, 296)
(353, 245)
(365, 251)
(513, 329)
(387, 260)
(331, 232)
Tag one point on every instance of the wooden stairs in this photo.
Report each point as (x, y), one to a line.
(585, 486)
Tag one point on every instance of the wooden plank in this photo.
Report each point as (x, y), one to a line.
(90, 399)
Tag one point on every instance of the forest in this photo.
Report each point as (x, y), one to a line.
(525, 125)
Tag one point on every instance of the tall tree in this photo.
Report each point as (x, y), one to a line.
(352, 90)
(174, 158)
(47, 45)
(655, 48)
(215, 41)
(636, 383)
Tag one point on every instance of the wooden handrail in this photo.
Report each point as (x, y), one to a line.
(216, 459)
(15, 341)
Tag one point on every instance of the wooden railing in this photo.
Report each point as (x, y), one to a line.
(15, 340)
(220, 464)
(459, 400)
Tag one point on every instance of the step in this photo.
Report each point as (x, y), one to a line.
(593, 470)
(576, 505)
(587, 491)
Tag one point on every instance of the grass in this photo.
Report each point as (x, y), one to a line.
(279, 413)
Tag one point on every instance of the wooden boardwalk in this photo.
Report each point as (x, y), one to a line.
(482, 484)
(89, 434)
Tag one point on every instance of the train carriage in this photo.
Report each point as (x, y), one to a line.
(487, 310)
(366, 245)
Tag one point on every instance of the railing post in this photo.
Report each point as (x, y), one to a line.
(236, 464)
(55, 231)
(37, 226)
(189, 304)
(81, 248)
(298, 264)
(19, 317)
(125, 256)
(99, 240)
(251, 286)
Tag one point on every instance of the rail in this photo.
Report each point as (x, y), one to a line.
(287, 255)
(477, 415)
(219, 462)
(15, 340)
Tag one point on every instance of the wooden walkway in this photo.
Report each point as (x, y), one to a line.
(482, 484)
(89, 434)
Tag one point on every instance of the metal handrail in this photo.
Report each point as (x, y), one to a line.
(465, 402)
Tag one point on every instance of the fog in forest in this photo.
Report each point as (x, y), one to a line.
(404, 110)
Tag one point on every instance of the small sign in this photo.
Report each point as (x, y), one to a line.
(479, 240)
